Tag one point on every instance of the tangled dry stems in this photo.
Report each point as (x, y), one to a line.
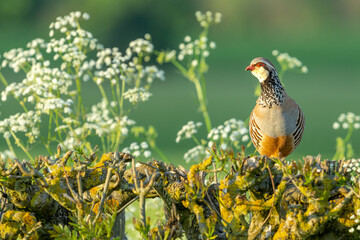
(255, 197)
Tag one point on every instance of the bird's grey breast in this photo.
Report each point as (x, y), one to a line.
(277, 120)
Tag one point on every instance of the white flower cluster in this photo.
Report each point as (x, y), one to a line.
(100, 120)
(71, 140)
(17, 59)
(197, 47)
(288, 62)
(22, 122)
(205, 19)
(111, 63)
(42, 86)
(41, 82)
(137, 150)
(356, 218)
(353, 166)
(109, 56)
(115, 66)
(46, 104)
(230, 134)
(346, 121)
(71, 52)
(73, 44)
(135, 95)
(169, 55)
(69, 21)
(7, 154)
(140, 46)
(195, 154)
(152, 72)
(188, 130)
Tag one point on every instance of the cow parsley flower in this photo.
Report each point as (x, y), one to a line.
(135, 95)
(103, 123)
(195, 154)
(288, 62)
(198, 47)
(232, 133)
(7, 154)
(45, 105)
(205, 19)
(141, 46)
(188, 130)
(26, 123)
(54, 71)
(138, 150)
(348, 120)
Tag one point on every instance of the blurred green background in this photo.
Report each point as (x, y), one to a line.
(324, 35)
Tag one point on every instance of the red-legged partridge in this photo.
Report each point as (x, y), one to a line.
(276, 122)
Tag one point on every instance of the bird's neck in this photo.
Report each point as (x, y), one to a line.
(272, 92)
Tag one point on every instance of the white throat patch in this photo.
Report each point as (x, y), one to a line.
(260, 73)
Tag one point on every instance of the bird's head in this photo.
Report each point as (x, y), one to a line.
(261, 68)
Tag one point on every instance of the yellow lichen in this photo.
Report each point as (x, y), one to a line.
(13, 221)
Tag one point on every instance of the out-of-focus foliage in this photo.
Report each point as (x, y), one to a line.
(324, 35)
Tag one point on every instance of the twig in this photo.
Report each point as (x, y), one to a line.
(214, 209)
(80, 189)
(215, 173)
(142, 191)
(254, 234)
(347, 198)
(127, 204)
(35, 227)
(30, 173)
(107, 182)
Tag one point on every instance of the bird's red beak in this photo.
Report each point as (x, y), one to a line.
(250, 67)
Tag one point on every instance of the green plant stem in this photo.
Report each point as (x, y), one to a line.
(180, 67)
(281, 74)
(137, 84)
(108, 142)
(2, 78)
(202, 102)
(10, 146)
(160, 153)
(349, 134)
(103, 94)
(80, 109)
(48, 149)
(18, 143)
(114, 96)
(117, 141)
(57, 125)
(195, 140)
(199, 92)
(49, 128)
(103, 144)
(118, 94)
(121, 104)
(347, 138)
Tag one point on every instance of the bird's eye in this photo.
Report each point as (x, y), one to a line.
(261, 64)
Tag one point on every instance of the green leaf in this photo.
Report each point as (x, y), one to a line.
(349, 151)
(160, 58)
(340, 149)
